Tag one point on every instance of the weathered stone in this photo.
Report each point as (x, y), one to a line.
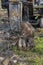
(20, 43)
(28, 33)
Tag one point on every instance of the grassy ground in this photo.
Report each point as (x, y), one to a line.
(34, 56)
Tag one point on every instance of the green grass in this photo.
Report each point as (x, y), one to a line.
(38, 45)
(34, 56)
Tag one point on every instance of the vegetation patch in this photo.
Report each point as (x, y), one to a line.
(34, 56)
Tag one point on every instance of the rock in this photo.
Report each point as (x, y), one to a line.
(24, 43)
(1, 58)
(28, 33)
(20, 43)
(27, 29)
(23, 63)
(14, 61)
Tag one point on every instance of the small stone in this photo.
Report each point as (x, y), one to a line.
(15, 61)
(1, 58)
